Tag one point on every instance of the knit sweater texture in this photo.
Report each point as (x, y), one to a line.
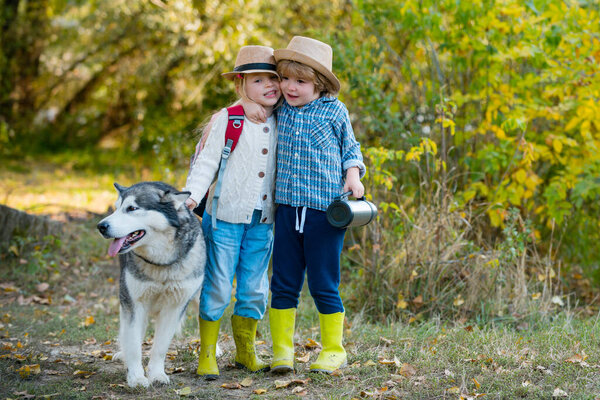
(249, 178)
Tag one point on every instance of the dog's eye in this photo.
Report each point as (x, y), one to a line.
(131, 208)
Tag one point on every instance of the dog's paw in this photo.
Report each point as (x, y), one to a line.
(118, 356)
(137, 380)
(159, 377)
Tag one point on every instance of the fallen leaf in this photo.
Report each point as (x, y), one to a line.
(559, 393)
(407, 370)
(89, 320)
(283, 383)
(386, 341)
(231, 385)
(299, 391)
(27, 370)
(369, 363)
(576, 359)
(42, 287)
(24, 395)
(246, 382)
(304, 359)
(557, 300)
(418, 301)
(85, 374)
(301, 381)
(186, 391)
(477, 384)
(311, 344)
(260, 391)
(453, 390)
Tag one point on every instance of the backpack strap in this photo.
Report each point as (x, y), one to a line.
(235, 125)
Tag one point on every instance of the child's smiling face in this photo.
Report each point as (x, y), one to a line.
(262, 88)
(298, 92)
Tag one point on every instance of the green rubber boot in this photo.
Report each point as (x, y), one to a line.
(282, 332)
(333, 355)
(207, 360)
(244, 333)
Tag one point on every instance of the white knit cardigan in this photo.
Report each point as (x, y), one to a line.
(249, 176)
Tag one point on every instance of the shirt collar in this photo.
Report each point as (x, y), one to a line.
(314, 103)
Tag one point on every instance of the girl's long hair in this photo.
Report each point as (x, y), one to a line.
(202, 130)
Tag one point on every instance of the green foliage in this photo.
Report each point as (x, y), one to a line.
(41, 253)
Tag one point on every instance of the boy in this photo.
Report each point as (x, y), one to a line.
(318, 158)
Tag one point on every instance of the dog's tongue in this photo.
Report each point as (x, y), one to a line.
(115, 246)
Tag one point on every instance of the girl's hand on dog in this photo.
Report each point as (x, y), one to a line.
(191, 204)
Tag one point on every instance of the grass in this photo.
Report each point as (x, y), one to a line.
(532, 357)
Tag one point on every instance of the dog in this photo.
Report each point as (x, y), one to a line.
(162, 254)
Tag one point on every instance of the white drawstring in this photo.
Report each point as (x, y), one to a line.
(300, 224)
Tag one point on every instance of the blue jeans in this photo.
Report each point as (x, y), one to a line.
(242, 250)
(315, 252)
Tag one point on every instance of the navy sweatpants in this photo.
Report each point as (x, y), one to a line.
(316, 252)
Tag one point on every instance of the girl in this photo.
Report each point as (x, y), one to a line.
(239, 232)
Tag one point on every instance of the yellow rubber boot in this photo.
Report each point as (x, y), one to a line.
(244, 333)
(333, 355)
(282, 332)
(207, 360)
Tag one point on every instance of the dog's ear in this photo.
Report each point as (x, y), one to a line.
(178, 198)
(119, 188)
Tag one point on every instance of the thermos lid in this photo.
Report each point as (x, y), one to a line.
(339, 214)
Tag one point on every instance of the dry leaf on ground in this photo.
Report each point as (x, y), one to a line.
(231, 385)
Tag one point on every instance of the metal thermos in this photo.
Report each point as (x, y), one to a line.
(343, 213)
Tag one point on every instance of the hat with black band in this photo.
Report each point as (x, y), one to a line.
(253, 59)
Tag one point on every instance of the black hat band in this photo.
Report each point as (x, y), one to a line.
(251, 66)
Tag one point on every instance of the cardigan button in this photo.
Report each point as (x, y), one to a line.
(264, 220)
(266, 129)
(265, 197)
(265, 151)
(261, 174)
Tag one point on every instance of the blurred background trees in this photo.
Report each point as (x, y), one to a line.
(479, 121)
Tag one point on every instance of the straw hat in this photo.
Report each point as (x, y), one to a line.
(311, 52)
(252, 59)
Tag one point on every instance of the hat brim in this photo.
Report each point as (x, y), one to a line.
(233, 74)
(292, 55)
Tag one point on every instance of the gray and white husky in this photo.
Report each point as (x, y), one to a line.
(162, 255)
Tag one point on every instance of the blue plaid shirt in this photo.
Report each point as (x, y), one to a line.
(316, 145)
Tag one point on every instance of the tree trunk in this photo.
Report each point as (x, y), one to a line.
(14, 221)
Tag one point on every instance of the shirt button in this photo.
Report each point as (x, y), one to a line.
(294, 175)
(261, 174)
(297, 133)
(266, 129)
(296, 155)
(264, 220)
(265, 151)
(265, 197)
